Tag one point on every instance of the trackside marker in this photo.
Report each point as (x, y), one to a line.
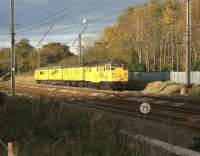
(145, 108)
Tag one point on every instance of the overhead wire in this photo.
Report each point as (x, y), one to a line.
(97, 19)
(109, 15)
(115, 13)
(45, 18)
(66, 28)
(59, 18)
(43, 37)
(84, 29)
(72, 26)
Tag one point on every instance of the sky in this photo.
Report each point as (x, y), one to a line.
(35, 17)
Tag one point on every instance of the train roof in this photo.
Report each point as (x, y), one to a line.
(45, 68)
(116, 62)
(57, 67)
(73, 66)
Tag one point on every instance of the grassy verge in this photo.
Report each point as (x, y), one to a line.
(195, 91)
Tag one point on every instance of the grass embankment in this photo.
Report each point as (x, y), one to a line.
(25, 78)
(45, 127)
(195, 91)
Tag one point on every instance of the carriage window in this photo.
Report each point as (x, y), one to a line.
(41, 73)
(118, 65)
(125, 66)
(108, 67)
(113, 67)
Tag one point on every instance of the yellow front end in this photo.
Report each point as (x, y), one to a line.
(106, 73)
(120, 75)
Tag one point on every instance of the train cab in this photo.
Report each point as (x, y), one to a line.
(119, 72)
(112, 74)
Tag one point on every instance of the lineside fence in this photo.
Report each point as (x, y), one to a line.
(180, 77)
(149, 76)
(175, 77)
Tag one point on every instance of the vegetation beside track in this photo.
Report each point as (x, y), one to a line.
(54, 128)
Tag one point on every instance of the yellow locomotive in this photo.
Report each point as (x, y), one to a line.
(107, 75)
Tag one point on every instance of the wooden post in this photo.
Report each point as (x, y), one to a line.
(12, 149)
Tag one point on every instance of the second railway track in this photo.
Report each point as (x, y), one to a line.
(179, 115)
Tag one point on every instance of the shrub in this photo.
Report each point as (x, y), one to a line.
(196, 66)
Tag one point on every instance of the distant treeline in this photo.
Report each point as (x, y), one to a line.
(27, 56)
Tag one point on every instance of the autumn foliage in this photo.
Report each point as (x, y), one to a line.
(150, 36)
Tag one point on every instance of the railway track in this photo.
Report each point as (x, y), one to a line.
(178, 115)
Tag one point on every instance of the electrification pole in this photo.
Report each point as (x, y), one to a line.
(80, 49)
(13, 59)
(188, 42)
(85, 22)
(38, 61)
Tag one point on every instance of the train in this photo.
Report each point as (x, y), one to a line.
(105, 75)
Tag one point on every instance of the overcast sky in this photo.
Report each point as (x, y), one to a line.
(32, 18)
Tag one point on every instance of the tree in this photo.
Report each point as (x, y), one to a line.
(23, 52)
(196, 66)
(151, 35)
(23, 48)
(5, 60)
(52, 53)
